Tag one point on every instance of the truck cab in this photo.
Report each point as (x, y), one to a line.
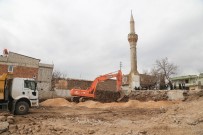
(18, 94)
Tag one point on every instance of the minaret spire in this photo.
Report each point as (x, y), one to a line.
(134, 78)
(131, 18)
(132, 23)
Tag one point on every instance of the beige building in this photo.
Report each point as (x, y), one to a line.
(188, 82)
(27, 67)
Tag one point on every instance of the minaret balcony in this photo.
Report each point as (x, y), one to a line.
(132, 37)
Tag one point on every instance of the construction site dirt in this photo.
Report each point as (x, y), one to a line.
(61, 117)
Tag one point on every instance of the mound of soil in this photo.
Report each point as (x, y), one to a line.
(193, 95)
(130, 104)
(106, 96)
(55, 102)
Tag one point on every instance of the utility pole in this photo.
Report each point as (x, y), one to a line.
(120, 65)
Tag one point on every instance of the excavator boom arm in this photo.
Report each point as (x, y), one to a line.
(91, 91)
(117, 74)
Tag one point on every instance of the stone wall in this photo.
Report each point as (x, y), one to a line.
(157, 95)
(141, 95)
(146, 95)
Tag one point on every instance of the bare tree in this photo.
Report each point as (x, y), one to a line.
(164, 67)
(158, 77)
(145, 72)
(56, 76)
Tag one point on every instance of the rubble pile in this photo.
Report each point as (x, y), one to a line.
(7, 124)
(147, 95)
(193, 95)
(107, 96)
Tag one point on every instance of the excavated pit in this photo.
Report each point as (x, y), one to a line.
(106, 96)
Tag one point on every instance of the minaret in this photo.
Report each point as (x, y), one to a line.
(134, 78)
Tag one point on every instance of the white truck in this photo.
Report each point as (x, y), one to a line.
(17, 94)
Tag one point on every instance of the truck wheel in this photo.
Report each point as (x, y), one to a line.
(21, 108)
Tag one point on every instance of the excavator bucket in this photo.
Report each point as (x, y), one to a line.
(123, 97)
(107, 96)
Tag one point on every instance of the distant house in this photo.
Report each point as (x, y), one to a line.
(188, 82)
(27, 67)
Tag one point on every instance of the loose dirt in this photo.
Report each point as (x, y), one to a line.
(94, 104)
(55, 102)
(60, 117)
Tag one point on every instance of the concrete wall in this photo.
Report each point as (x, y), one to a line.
(62, 93)
(23, 60)
(3, 59)
(157, 95)
(45, 72)
(44, 90)
(176, 95)
(44, 80)
(56, 93)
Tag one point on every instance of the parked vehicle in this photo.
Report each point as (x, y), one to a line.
(17, 95)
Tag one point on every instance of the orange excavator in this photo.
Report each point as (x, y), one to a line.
(79, 95)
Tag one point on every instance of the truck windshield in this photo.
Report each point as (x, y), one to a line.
(30, 84)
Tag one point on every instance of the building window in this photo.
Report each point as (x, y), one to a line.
(187, 81)
(10, 68)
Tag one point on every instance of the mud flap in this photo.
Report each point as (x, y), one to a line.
(13, 107)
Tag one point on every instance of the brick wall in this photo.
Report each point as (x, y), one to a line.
(109, 85)
(20, 71)
(3, 69)
(84, 84)
(25, 72)
(147, 80)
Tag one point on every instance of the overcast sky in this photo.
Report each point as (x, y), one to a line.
(87, 38)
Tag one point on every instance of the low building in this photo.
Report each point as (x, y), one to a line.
(188, 82)
(27, 67)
